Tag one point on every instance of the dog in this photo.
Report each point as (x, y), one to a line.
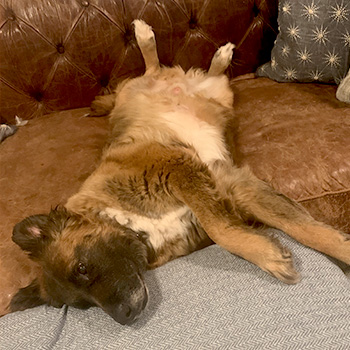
(165, 187)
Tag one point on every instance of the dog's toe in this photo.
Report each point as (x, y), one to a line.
(286, 274)
(224, 53)
(282, 268)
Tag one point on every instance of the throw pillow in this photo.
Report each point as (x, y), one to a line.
(313, 44)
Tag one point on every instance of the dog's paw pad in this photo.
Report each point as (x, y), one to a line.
(143, 32)
(224, 53)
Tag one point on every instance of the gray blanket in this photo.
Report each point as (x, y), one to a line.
(208, 300)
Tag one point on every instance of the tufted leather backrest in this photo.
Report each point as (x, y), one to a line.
(59, 54)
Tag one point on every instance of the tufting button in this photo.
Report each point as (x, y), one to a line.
(85, 3)
(128, 36)
(60, 48)
(10, 14)
(256, 10)
(104, 80)
(37, 95)
(192, 23)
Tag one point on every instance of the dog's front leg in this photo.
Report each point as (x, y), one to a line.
(196, 188)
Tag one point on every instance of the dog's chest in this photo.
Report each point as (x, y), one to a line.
(171, 226)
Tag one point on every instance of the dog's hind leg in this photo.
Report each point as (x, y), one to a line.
(147, 44)
(257, 200)
(221, 59)
(102, 105)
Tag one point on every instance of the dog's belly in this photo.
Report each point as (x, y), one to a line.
(181, 108)
(170, 227)
(203, 137)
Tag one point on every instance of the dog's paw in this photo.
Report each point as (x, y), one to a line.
(101, 106)
(143, 32)
(224, 54)
(345, 248)
(282, 267)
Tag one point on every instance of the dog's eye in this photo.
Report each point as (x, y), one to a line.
(80, 274)
(82, 270)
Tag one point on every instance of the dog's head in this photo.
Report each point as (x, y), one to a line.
(83, 264)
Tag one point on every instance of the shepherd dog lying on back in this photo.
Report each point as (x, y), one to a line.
(165, 187)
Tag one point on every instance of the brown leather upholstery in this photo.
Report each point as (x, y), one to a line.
(58, 55)
(297, 138)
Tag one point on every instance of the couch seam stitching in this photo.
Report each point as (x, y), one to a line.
(323, 195)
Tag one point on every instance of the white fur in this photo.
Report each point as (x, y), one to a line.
(223, 55)
(205, 138)
(212, 87)
(171, 226)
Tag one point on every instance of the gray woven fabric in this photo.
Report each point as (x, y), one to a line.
(208, 300)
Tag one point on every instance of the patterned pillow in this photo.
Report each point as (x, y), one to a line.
(313, 44)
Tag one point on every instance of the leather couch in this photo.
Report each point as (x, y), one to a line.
(56, 56)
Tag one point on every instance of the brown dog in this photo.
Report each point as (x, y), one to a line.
(165, 187)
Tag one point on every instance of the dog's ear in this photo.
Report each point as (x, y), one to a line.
(27, 297)
(31, 234)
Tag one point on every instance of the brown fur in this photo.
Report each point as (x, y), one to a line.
(147, 173)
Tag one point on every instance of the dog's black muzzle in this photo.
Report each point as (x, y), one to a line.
(128, 311)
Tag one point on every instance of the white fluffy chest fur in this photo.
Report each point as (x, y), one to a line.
(203, 137)
(171, 226)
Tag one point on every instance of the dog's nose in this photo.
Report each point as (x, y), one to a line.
(126, 308)
(126, 314)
